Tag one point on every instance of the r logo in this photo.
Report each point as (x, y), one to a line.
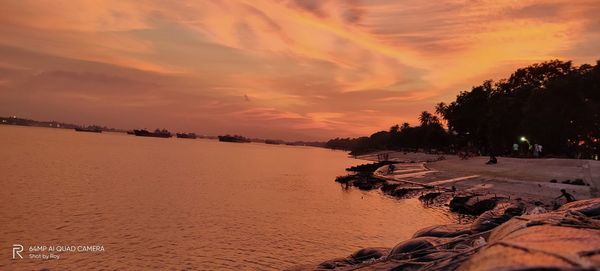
(17, 249)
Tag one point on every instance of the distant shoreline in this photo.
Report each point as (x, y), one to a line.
(16, 121)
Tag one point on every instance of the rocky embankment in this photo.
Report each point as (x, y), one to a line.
(506, 233)
(508, 237)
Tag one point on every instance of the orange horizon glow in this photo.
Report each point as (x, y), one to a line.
(288, 69)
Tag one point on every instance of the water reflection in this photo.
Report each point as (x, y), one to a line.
(175, 203)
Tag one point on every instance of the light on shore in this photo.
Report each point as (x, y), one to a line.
(523, 139)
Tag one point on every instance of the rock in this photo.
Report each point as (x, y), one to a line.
(402, 191)
(365, 184)
(473, 205)
(362, 181)
(578, 182)
(450, 230)
(457, 204)
(369, 168)
(429, 197)
(345, 179)
(369, 254)
(388, 187)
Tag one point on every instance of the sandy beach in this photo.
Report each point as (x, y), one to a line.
(515, 177)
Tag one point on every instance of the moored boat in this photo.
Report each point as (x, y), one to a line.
(274, 142)
(92, 129)
(234, 138)
(157, 133)
(186, 135)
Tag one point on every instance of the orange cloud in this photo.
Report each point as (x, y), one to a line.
(289, 68)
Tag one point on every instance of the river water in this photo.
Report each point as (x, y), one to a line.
(153, 203)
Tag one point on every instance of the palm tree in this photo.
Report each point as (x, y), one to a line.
(440, 108)
(425, 118)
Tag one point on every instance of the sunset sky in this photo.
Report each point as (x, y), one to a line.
(308, 70)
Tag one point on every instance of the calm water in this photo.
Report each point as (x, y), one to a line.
(157, 203)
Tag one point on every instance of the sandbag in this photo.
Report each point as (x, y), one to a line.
(415, 247)
(479, 204)
(525, 221)
(559, 240)
(450, 230)
(590, 207)
(543, 247)
(500, 214)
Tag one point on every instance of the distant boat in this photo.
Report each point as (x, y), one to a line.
(186, 135)
(234, 138)
(88, 129)
(274, 142)
(157, 133)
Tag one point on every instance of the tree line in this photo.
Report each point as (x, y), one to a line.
(555, 104)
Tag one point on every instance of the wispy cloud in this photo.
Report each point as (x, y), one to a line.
(288, 68)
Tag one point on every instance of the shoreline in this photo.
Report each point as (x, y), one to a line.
(515, 177)
(495, 196)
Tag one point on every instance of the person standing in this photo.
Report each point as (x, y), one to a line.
(568, 197)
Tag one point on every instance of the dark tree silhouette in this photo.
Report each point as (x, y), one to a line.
(554, 103)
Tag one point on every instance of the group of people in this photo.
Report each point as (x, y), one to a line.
(535, 149)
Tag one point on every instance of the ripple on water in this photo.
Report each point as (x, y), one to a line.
(198, 204)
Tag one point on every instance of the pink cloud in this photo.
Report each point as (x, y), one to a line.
(315, 69)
